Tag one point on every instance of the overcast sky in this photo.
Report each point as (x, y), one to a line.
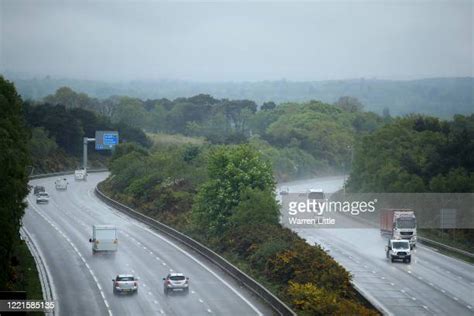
(237, 41)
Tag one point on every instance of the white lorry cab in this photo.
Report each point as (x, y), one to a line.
(61, 184)
(104, 238)
(80, 175)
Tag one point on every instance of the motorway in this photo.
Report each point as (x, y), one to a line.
(433, 284)
(82, 282)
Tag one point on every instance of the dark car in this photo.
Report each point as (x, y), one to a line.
(38, 189)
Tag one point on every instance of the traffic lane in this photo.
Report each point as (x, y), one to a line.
(105, 267)
(206, 281)
(396, 285)
(75, 289)
(220, 298)
(133, 257)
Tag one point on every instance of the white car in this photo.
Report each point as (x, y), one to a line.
(125, 283)
(176, 282)
(42, 197)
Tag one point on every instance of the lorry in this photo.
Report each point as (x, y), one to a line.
(398, 249)
(399, 224)
(80, 175)
(104, 238)
(61, 184)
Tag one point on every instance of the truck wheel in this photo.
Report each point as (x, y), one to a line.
(393, 259)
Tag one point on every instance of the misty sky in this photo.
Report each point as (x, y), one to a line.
(237, 41)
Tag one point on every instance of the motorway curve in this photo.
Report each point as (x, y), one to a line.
(82, 282)
(433, 284)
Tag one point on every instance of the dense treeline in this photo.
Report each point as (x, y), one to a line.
(301, 140)
(223, 196)
(416, 154)
(441, 97)
(14, 158)
(57, 132)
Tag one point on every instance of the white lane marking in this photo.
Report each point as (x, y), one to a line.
(455, 298)
(425, 307)
(201, 301)
(91, 272)
(469, 306)
(209, 311)
(413, 298)
(192, 292)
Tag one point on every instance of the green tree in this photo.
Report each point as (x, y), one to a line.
(232, 170)
(14, 159)
(255, 207)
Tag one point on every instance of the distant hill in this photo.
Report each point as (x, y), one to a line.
(440, 97)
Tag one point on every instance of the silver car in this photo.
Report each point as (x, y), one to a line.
(125, 283)
(176, 282)
(42, 197)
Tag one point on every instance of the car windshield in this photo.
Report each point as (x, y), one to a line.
(406, 222)
(400, 245)
(177, 277)
(43, 194)
(126, 278)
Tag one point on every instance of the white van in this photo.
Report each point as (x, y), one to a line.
(80, 175)
(104, 238)
(61, 184)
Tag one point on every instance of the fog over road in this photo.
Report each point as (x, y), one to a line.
(433, 284)
(83, 282)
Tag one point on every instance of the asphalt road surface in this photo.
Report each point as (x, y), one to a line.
(82, 282)
(433, 284)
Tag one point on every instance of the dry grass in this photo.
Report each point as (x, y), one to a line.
(174, 139)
